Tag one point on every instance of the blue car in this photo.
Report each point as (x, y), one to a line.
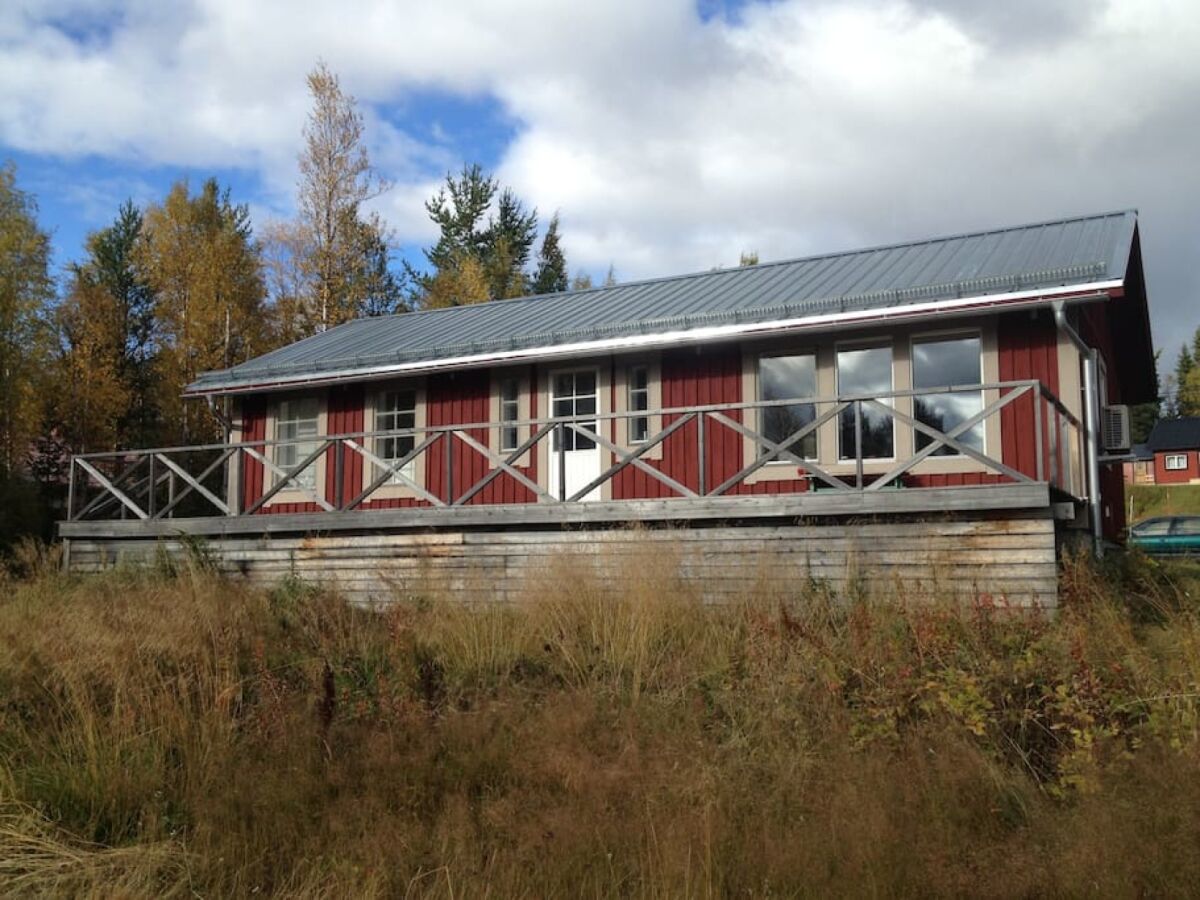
(1167, 535)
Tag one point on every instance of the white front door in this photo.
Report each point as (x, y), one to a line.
(574, 393)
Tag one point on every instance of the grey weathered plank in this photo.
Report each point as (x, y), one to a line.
(977, 498)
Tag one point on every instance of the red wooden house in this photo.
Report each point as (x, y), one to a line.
(1175, 448)
(923, 410)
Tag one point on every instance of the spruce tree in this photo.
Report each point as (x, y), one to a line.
(475, 252)
(509, 243)
(551, 276)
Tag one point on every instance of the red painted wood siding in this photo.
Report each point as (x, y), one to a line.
(344, 415)
(254, 428)
(1028, 349)
(462, 398)
(1163, 475)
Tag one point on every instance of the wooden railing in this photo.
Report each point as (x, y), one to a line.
(204, 480)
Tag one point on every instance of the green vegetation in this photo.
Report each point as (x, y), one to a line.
(170, 733)
(1146, 500)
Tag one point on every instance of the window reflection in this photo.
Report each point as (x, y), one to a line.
(948, 362)
(788, 378)
(866, 371)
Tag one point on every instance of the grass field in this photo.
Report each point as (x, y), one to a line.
(172, 734)
(1148, 500)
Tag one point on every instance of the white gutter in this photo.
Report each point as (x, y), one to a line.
(1091, 418)
(961, 306)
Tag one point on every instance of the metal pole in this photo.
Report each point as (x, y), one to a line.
(1092, 398)
(1091, 401)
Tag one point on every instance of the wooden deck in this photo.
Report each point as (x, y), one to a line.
(845, 521)
(1004, 560)
(995, 542)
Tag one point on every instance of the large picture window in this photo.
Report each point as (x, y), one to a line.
(791, 377)
(866, 371)
(297, 422)
(941, 363)
(396, 411)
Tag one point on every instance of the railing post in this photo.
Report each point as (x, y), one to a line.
(1038, 401)
(562, 462)
(701, 463)
(150, 497)
(233, 478)
(339, 465)
(449, 468)
(858, 455)
(71, 491)
(171, 494)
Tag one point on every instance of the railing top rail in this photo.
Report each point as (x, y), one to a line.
(592, 417)
(1047, 394)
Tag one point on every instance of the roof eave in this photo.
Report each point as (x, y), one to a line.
(1102, 290)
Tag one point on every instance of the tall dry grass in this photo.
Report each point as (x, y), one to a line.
(177, 734)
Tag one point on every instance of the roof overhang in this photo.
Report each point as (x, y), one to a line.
(939, 309)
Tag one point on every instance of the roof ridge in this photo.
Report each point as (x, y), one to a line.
(720, 270)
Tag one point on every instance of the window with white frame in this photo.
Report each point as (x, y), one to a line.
(1176, 462)
(943, 362)
(639, 401)
(510, 412)
(866, 372)
(788, 377)
(396, 411)
(297, 425)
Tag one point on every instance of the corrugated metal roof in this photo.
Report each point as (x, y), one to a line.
(1066, 252)
(1175, 434)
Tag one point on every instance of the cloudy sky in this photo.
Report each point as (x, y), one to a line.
(671, 134)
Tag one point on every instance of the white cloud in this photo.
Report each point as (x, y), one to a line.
(669, 143)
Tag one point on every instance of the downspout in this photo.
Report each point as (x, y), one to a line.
(1091, 400)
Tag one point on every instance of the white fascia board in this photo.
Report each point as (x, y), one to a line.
(711, 334)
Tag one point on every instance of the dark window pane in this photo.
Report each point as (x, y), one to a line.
(781, 422)
(788, 378)
(866, 372)
(949, 362)
(585, 383)
(508, 438)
